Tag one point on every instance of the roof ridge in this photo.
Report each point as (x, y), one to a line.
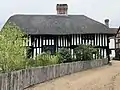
(43, 15)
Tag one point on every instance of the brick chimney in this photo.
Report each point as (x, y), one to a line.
(107, 22)
(62, 9)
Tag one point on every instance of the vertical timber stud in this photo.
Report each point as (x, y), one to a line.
(76, 39)
(51, 41)
(42, 43)
(70, 43)
(105, 47)
(85, 38)
(39, 44)
(76, 45)
(65, 41)
(115, 46)
(37, 49)
(91, 39)
(108, 48)
(73, 45)
(79, 39)
(95, 44)
(88, 39)
(31, 47)
(60, 41)
(57, 41)
(35, 46)
(94, 40)
(100, 44)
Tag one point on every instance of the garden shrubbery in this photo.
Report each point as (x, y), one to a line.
(64, 55)
(13, 52)
(86, 52)
(45, 59)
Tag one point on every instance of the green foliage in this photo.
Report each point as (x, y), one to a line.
(54, 59)
(64, 55)
(45, 59)
(85, 52)
(12, 52)
(30, 63)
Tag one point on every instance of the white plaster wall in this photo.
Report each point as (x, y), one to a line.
(112, 46)
(112, 54)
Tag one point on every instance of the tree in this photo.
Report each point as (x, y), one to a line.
(12, 51)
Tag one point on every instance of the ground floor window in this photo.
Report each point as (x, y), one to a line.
(50, 48)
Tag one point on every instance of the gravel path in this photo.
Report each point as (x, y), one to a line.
(104, 78)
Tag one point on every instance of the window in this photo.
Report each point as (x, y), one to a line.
(48, 44)
(50, 48)
(87, 37)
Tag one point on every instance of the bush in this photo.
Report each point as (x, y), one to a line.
(85, 52)
(31, 63)
(45, 59)
(54, 59)
(12, 52)
(64, 55)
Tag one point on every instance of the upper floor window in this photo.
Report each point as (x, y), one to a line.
(87, 37)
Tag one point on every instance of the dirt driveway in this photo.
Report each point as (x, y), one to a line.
(104, 78)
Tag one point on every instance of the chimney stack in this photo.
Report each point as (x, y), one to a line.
(62, 9)
(107, 22)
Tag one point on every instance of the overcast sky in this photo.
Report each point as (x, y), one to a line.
(95, 9)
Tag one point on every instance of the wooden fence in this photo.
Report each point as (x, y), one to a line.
(19, 80)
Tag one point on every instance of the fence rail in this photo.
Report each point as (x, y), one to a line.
(19, 80)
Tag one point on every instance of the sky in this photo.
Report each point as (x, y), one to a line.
(98, 10)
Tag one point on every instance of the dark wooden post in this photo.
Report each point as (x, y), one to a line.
(108, 50)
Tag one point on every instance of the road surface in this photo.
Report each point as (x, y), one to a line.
(103, 78)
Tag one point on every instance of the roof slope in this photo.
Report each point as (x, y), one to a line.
(54, 24)
(114, 30)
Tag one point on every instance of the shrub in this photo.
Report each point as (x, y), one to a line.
(31, 63)
(12, 52)
(85, 52)
(64, 55)
(54, 59)
(45, 59)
